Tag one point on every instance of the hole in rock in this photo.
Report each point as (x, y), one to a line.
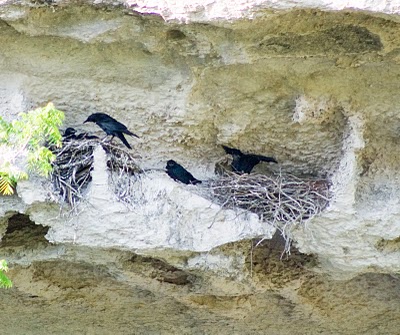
(384, 245)
(159, 270)
(175, 34)
(21, 231)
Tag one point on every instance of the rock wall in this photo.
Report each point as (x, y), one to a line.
(315, 89)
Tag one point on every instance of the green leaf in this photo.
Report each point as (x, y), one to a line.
(5, 282)
(7, 185)
(3, 265)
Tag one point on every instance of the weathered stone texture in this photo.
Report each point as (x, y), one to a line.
(317, 90)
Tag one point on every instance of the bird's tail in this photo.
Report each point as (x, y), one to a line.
(267, 159)
(128, 132)
(196, 181)
(123, 139)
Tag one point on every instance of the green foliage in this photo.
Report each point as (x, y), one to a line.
(5, 282)
(25, 142)
(7, 183)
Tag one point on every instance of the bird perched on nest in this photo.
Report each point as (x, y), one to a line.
(70, 134)
(111, 127)
(244, 163)
(178, 172)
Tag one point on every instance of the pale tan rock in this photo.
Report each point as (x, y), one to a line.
(318, 90)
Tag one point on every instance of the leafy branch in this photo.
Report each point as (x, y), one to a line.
(5, 282)
(24, 145)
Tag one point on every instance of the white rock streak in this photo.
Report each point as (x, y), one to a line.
(200, 10)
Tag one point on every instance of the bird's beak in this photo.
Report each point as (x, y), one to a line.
(87, 120)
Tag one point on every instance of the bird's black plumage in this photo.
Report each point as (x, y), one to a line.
(70, 134)
(178, 172)
(111, 127)
(244, 163)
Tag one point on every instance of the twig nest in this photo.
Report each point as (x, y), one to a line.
(282, 200)
(74, 163)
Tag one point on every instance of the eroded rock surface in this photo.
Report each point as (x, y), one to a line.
(317, 90)
(103, 291)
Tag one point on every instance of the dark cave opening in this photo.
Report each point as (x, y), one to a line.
(22, 231)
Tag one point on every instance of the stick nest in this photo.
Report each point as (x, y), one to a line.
(281, 200)
(73, 165)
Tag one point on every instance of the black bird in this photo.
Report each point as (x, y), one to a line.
(70, 134)
(111, 127)
(178, 172)
(244, 163)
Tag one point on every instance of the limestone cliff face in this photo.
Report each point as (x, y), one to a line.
(318, 90)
